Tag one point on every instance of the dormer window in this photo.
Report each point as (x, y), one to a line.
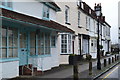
(45, 12)
(6, 3)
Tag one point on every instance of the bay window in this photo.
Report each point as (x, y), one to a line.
(66, 44)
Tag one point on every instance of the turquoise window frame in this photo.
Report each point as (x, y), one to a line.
(6, 5)
(38, 46)
(7, 47)
(45, 18)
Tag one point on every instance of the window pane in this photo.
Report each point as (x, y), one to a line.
(67, 14)
(42, 44)
(32, 51)
(9, 4)
(3, 3)
(53, 41)
(4, 37)
(32, 43)
(15, 38)
(15, 50)
(47, 44)
(23, 40)
(46, 12)
(64, 43)
(10, 52)
(4, 54)
(69, 43)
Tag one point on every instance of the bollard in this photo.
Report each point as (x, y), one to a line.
(75, 69)
(90, 67)
(118, 57)
(105, 63)
(112, 59)
(115, 58)
(109, 60)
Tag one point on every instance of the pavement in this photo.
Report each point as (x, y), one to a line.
(68, 72)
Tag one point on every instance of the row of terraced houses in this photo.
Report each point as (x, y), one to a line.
(42, 35)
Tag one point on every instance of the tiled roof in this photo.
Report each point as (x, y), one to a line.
(46, 23)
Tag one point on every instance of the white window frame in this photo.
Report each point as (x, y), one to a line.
(46, 12)
(79, 18)
(67, 14)
(69, 45)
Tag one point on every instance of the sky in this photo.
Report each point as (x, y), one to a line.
(110, 11)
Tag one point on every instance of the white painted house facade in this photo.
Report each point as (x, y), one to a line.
(29, 36)
(43, 36)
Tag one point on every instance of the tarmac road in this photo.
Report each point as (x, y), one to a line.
(113, 74)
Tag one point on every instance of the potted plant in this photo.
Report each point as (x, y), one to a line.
(88, 57)
(72, 59)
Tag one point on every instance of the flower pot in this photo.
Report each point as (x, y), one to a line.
(72, 60)
(79, 57)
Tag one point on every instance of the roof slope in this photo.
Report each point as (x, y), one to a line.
(30, 19)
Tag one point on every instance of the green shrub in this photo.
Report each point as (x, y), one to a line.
(100, 46)
(88, 57)
(72, 54)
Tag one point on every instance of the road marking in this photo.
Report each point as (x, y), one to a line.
(110, 73)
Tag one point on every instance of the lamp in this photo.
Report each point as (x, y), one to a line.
(98, 14)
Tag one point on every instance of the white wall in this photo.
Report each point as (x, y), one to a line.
(47, 62)
(31, 8)
(10, 69)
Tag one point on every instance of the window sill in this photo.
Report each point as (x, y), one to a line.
(79, 26)
(44, 18)
(9, 59)
(65, 53)
(67, 23)
(41, 56)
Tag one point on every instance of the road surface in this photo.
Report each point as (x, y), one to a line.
(113, 74)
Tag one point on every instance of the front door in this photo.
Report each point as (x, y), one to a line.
(23, 48)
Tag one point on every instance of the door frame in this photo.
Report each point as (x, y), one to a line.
(27, 45)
